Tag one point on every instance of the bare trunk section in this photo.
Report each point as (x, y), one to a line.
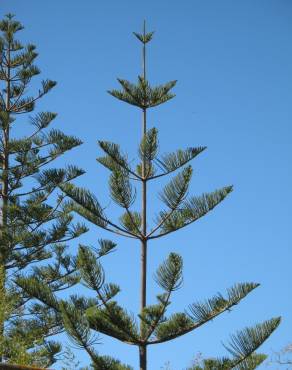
(143, 357)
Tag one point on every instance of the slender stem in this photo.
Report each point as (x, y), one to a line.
(143, 349)
(144, 53)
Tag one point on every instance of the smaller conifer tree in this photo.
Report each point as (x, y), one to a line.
(82, 316)
(34, 224)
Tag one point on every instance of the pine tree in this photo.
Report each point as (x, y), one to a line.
(34, 223)
(103, 314)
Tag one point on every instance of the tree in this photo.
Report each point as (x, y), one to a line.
(34, 224)
(103, 314)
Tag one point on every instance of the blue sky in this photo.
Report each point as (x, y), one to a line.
(232, 60)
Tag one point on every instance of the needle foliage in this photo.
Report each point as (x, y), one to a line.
(34, 225)
(85, 318)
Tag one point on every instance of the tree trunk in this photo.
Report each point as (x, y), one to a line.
(143, 349)
(143, 357)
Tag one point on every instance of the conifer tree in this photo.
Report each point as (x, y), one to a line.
(34, 224)
(102, 314)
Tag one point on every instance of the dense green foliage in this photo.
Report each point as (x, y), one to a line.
(34, 225)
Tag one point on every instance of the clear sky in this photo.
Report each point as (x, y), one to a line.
(233, 63)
